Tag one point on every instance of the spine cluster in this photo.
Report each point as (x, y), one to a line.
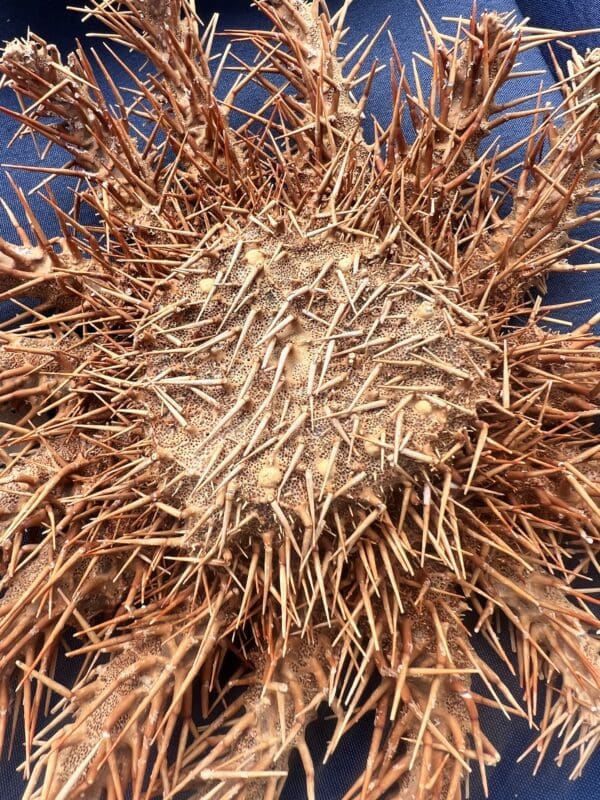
(271, 438)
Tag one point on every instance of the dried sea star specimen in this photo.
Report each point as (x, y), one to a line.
(272, 409)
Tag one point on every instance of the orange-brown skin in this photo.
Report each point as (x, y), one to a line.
(272, 411)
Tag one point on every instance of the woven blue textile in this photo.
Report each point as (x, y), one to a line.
(49, 19)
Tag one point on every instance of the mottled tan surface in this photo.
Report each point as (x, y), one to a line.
(270, 433)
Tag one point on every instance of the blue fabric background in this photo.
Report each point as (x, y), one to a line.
(508, 781)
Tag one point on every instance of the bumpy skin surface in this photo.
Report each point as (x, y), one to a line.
(273, 411)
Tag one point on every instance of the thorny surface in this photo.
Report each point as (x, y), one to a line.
(272, 408)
